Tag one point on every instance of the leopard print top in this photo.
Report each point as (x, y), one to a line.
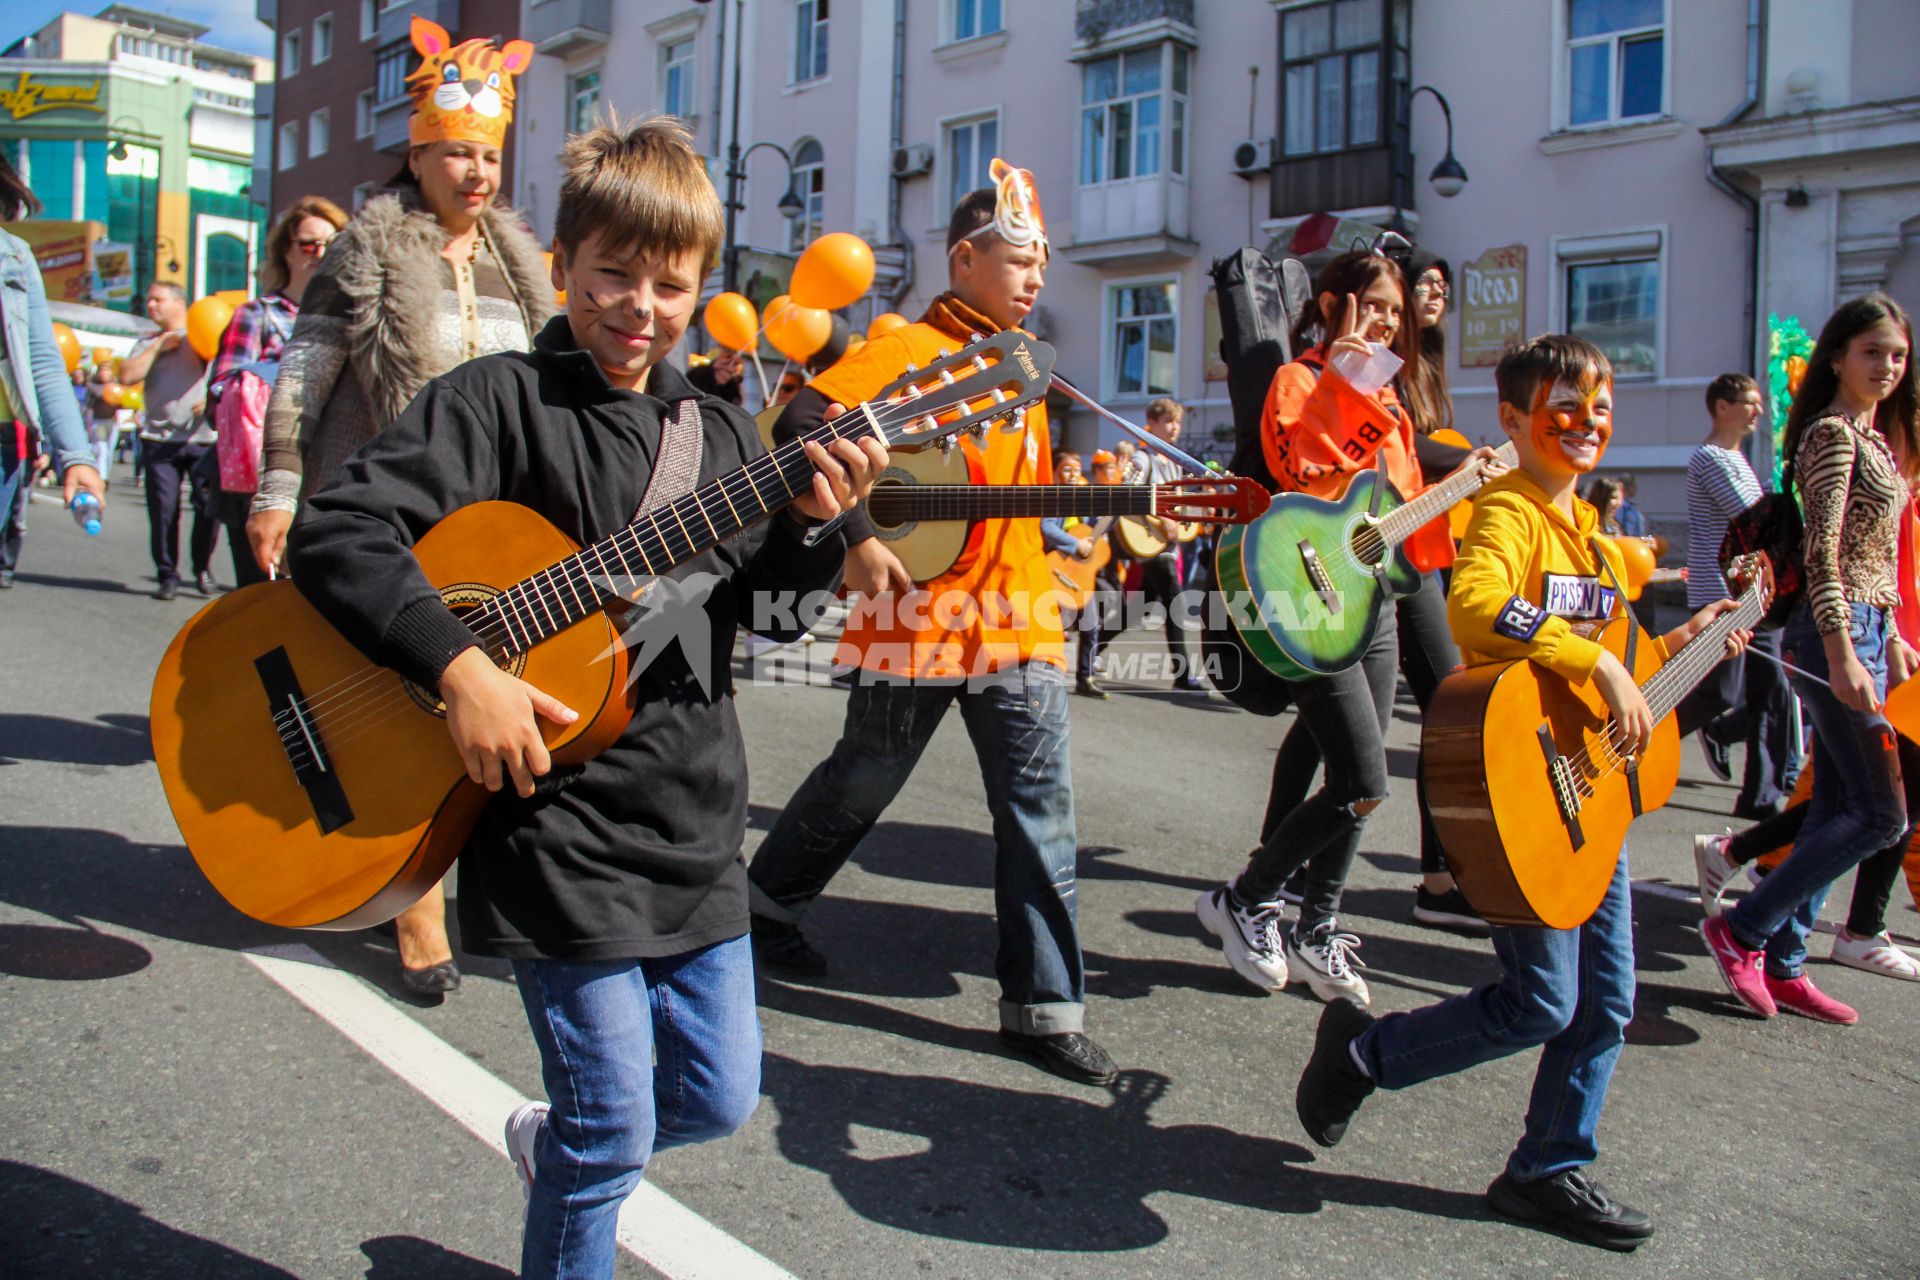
(1853, 493)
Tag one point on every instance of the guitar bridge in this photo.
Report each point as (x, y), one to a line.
(1318, 576)
(1566, 789)
(299, 735)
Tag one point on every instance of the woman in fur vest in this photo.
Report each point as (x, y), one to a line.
(428, 275)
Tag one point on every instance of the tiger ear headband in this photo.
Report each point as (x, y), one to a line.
(1016, 209)
(463, 92)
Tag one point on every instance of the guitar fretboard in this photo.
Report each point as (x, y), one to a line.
(1665, 688)
(894, 503)
(1399, 524)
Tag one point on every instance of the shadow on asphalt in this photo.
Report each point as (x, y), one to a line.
(1061, 1172)
(79, 584)
(109, 741)
(57, 1227)
(57, 954)
(409, 1257)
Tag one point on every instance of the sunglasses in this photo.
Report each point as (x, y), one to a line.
(315, 247)
(1432, 289)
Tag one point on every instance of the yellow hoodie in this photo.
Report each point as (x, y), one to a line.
(1526, 574)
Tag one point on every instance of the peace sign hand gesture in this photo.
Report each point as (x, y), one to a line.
(1351, 339)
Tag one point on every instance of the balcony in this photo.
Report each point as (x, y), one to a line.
(396, 23)
(1094, 19)
(390, 125)
(564, 27)
(1137, 222)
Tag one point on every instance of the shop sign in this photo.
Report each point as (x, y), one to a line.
(29, 97)
(1493, 305)
(64, 252)
(114, 263)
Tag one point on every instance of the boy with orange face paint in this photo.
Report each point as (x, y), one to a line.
(1530, 568)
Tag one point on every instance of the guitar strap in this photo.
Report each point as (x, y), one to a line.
(676, 466)
(1633, 652)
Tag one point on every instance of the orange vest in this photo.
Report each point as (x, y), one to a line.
(1000, 610)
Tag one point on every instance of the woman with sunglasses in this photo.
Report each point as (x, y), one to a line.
(258, 335)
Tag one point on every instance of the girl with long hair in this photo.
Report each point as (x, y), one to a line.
(1852, 449)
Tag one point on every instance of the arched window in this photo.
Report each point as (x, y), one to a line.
(226, 262)
(810, 180)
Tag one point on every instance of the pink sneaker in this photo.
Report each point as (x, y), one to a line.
(1739, 967)
(1799, 995)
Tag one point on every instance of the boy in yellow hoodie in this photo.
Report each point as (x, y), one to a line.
(1526, 574)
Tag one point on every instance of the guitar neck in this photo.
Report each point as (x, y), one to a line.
(897, 503)
(1667, 687)
(1399, 524)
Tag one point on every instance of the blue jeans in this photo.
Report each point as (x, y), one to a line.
(1570, 990)
(1858, 805)
(1018, 722)
(637, 1056)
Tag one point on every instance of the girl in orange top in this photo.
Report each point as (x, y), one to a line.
(1318, 429)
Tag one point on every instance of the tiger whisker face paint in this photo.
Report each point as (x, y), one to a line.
(1571, 425)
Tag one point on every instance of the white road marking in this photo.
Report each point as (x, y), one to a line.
(654, 1227)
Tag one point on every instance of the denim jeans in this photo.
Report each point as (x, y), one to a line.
(637, 1056)
(1347, 714)
(1746, 699)
(1018, 722)
(1569, 990)
(1858, 805)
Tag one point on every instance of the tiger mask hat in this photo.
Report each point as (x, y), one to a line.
(462, 92)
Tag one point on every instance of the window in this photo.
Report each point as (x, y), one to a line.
(1330, 79)
(583, 97)
(975, 18)
(363, 114)
(390, 73)
(971, 147)
(289, 54)
(1616, 306)
(369, 18)
(1616, 55)
(1144, 338)
(226, 262)
(810, 181)
(289, 148)
(809, 39)
(322, 39)
(317, 130)
(1125, 102)
(676, 77)
(364, 192)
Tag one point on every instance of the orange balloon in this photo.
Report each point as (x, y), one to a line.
(206, 320)
(114, 394)
(731, 322)
(886, 322)
(836, 271)
(797, 332)
(1639, 560)
(69, 345)
(235, 298)
(101, 356)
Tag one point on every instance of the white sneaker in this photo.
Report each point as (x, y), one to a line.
(523, 1133)
(1251, 939)
(1876, 955)
(1326, 963)
(1713, 868)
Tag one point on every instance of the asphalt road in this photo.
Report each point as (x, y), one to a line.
(170, 1110)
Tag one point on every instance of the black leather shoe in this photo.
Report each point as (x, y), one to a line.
(167, 591)
(1090, 688)
(1069, 1055)
(782, 949)
(1332, 1088)
(204, 582)
(1572, 1203)
(434, 980)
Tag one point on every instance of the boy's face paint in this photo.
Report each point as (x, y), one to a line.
(1570, 426)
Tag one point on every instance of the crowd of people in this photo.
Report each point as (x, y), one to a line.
(412, 359)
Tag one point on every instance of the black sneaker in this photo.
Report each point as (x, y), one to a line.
(203, 582)
(1069, 1055)
(783, 949)
(1718, 758)
(1572, 1203)
(1332, 1088)
(1091, 688)
(1449, 910)
(167, 591)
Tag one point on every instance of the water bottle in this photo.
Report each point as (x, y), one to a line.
(87, 512)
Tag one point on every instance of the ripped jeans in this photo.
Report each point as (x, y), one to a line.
(1018, 722)
(1347, 713)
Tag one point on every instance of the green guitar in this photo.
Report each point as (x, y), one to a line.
(1305, 582)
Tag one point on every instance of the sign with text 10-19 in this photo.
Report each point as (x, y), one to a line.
(1493, 305)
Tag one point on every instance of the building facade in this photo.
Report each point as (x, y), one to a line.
(129, 124)
(335, 124)
(1658, 176)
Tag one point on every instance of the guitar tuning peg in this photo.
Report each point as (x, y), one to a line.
(945, 352)
(913, 368)
(976, 337)
(946, 446)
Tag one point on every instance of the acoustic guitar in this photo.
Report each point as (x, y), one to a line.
(1078, 577)
(934, 528)
(1530, 797)
(318, 790)
(1314, 574)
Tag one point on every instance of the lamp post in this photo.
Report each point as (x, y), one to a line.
(791, 205)
(1448, 177)
(146, 239)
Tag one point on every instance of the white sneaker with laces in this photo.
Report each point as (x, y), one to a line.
(1713, 868)
(1250, 938)
(1876, 955)
(1326, 963)
(523, 1133)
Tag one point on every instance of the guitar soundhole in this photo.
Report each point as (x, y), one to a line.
(462, 599)
(891, 478)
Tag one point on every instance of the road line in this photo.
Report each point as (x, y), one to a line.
(654, 1227)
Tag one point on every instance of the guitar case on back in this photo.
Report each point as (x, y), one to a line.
(1259, 301)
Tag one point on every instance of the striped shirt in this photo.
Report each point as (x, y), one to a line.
(1720, 485)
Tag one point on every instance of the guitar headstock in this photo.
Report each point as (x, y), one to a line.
(1214, 499)
(1753, 570)
(934, 404)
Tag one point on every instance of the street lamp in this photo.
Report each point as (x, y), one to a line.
(1449, 176)
(791, 205)
(118, 152)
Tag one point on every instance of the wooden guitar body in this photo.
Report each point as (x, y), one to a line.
(1317, 598)
(1140, 539)
(1529, 807)
(255, 825)
(930, 548)
(1074, 575)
